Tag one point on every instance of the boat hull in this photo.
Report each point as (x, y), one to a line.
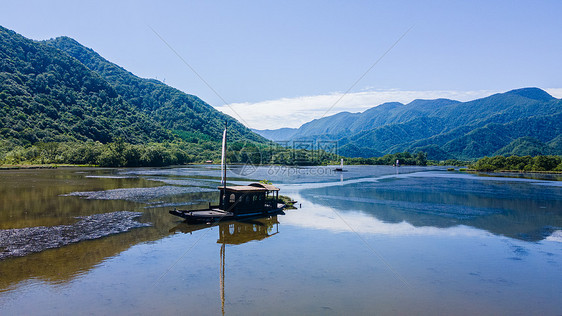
(213, 215)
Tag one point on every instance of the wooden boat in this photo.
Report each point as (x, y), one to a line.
(236, 202)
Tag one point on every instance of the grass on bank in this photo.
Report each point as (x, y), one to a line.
(121, 154)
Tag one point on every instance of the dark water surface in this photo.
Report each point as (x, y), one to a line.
(372, 240)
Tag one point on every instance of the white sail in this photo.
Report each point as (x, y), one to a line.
(223, 173)
(341, 163)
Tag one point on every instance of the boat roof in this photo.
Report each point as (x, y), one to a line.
(252, 187)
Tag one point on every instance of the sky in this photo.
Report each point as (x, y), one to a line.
(281, 64)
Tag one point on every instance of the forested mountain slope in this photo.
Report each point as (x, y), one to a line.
(445, 128)
(186, 115)
(61, 91)
(46, 95)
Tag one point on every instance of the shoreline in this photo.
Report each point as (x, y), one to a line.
(45, 166)
(517, 171)
(25, 167)
(55, 166)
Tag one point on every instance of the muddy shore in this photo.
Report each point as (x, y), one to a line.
(23, 241)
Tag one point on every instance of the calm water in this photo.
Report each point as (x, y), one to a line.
(372, 240)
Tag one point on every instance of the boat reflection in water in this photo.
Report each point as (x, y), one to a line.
(235, 233)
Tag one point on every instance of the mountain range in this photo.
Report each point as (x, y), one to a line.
(525, 121)
(60, 91)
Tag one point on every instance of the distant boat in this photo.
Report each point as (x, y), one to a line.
(236, 202)
(340, 168)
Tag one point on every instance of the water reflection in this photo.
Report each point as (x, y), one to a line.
(526, 175)
(62, 265)
(33, 197)
(416, 220)
(516, 208)
(235, 233)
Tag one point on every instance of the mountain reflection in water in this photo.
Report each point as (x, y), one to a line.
(62, 265)
(515, 208)
(461, 241)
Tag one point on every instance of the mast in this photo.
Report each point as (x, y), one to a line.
(223, 165)
(223, 257)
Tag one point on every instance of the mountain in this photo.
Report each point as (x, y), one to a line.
(345, 123)
(277, 135)
(61, 91)
(46, 95)
(556, 144)
(186, 115)
(446, 128)
(524, 146)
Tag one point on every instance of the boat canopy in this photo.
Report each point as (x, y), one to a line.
(252, 187)
(247, 198)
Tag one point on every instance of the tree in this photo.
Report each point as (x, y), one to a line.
(421, 158)
(49, 150)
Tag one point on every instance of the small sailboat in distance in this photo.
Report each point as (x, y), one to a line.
(340, 168)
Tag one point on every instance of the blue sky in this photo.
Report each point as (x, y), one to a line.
(282, 64)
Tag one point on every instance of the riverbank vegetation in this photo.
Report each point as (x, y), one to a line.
(115, 154)
(178, 152)
(517, 163)
(403, 158)
(122, 154)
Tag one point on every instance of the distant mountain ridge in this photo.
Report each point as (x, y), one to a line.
(281, 133)
(61, 91)
(501, 123)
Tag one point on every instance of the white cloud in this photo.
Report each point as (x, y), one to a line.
(555, 92)
(556, 236)
(293, 112)
(320, 217)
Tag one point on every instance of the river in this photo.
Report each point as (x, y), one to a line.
(370, 240)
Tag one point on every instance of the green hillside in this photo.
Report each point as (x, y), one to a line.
(46, 96)
(524, 146)
(446, 129)
(187, 115)
(61, 102)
